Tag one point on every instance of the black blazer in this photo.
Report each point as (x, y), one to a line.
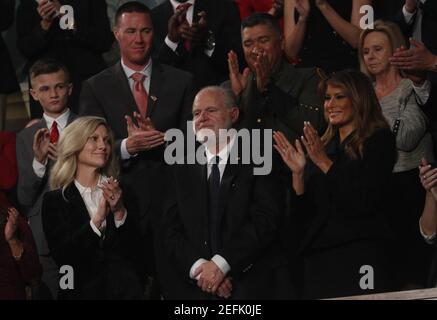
(347, 203)
(8, 80)
(104, 268)
(223, 20)
(250, 217)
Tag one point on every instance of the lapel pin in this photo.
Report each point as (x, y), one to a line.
(154, 98)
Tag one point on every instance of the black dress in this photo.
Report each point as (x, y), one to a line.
(323, 47)
(341, 214)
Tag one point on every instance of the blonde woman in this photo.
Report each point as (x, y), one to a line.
(400, 100)
(85, 220)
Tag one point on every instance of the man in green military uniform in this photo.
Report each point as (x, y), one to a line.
(272, 93)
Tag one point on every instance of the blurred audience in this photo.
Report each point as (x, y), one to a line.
(8, 79)
(19, 265)
(8, 165)
(323, 33)
(196, 36)
(273, 7)
(40, 35)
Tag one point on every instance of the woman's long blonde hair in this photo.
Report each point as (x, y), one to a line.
(367, 110)
(72, 141)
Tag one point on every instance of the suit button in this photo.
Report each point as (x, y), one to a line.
(259, 120)
(206, 243)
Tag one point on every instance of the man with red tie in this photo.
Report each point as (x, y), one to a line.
(161, 97)
(36, 151)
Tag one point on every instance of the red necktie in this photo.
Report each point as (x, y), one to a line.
(187, 43)
(54, 133)
(140, 93)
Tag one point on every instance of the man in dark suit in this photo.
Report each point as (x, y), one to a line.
(196, 36)
(40, 34)
(163, 94)
(36, 151)
(160, 95)
(220, 225)
(8, 79)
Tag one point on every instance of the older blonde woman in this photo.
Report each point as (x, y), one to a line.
(400, 100)
(85, 220)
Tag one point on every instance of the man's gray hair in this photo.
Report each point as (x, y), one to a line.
(228, 95)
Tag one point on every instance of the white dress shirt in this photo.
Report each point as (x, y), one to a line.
(224, 156)
(40, 168)
(147, 71)
(190, 12)
(417, 31)
(92, 197)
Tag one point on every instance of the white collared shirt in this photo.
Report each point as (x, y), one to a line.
(147, 71)
(417, 31)
(224, 156)
(91, 197)
(40, 168)
(190, 10)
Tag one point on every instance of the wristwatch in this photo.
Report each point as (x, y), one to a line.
(210, 41)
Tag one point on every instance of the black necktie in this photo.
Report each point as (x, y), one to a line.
(214, 190)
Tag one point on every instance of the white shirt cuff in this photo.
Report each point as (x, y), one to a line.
(119, 223)
(172, 45)
(209, 53)
(428, 238)
(38, 168)
(195, 266)
(95, 229)
(123, 151)
(423, 91)
(407, 15)
(221, 263)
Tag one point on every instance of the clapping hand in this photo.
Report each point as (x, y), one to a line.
(113, 195)
(11, 224)
(238, 80)
(315, 148)
(142, 137)
(294, 157)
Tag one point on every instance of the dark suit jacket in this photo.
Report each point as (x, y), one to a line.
(429, 24)
(31, 188)
(81, 51)
(223, 20)
(250, 217)
(8, 80)
(108, 95)
(104, 268)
